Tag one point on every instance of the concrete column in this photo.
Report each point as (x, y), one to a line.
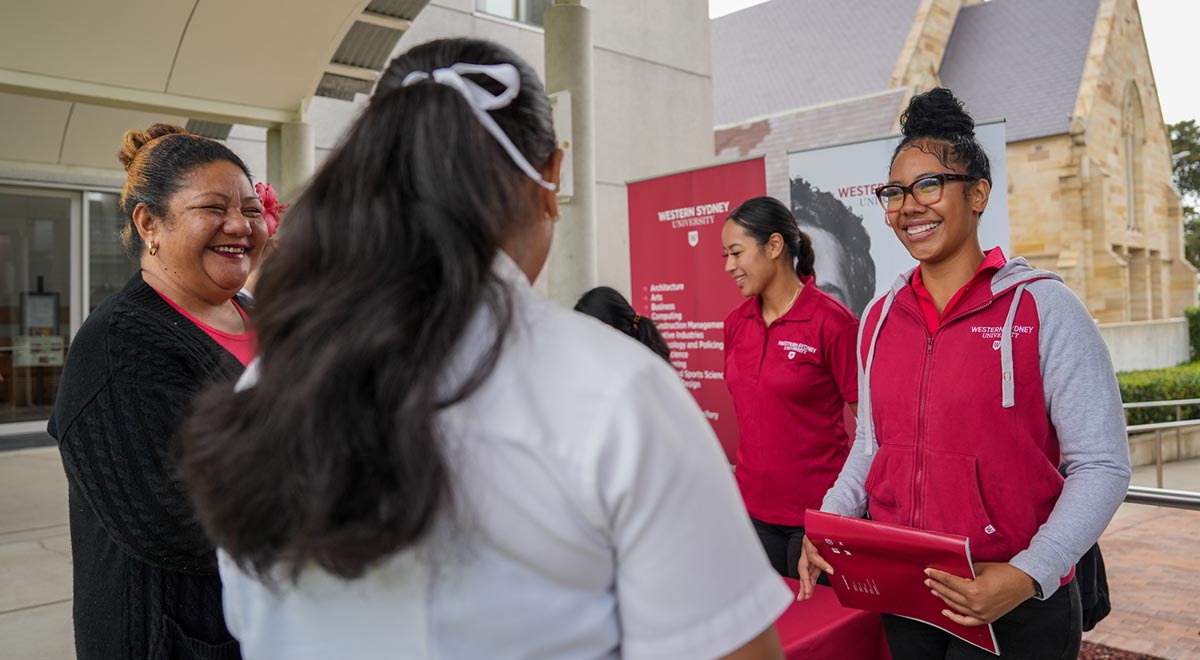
(274, 140)
(297, 158)
(572, 264)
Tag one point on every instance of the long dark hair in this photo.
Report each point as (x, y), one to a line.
(334, 456)
(608, 305)
(763, 216)
(937, 120)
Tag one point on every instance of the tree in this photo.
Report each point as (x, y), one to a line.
(1185, 147)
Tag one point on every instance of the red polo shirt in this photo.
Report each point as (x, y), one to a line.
(993, 260)
(790, 383)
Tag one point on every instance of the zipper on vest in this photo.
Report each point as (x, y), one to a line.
(922, 402)
(919, 450)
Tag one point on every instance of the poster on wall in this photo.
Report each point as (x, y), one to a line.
(678, 277)
(38, 351)
(833, 199)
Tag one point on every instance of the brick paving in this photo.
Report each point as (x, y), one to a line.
(1152, 556)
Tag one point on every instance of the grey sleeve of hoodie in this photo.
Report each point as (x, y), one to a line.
(1084, 405)
(848, 496)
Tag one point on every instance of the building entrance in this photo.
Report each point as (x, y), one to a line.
(36, 298)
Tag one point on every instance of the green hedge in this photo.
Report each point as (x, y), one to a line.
(1182, 382)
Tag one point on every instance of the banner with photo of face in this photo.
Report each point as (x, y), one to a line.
(833, 199)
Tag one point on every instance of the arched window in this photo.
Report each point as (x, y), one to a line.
(1133, 134)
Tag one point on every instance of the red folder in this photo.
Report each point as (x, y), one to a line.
(881, 567)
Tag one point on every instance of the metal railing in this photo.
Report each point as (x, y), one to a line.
(1160, 496)
(1179, 499)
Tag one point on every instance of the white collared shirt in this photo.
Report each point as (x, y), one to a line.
(594, 516)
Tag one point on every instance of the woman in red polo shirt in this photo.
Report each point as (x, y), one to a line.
(979, 374)
(789, 364)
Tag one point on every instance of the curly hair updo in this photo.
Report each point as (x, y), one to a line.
(936, 123)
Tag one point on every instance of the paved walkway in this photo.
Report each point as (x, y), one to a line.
(35, 557)
(1152, 555)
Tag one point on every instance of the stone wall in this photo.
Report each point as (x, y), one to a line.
(1044, 209)
(1176, 446)
(1134, 230)
(1070, 204)
(1146, 344)
(921, 56)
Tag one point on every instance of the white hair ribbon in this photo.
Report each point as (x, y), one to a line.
(481, 101)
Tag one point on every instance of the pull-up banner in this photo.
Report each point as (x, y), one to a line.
(678, 277)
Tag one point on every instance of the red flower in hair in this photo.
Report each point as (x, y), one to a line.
(271, 206)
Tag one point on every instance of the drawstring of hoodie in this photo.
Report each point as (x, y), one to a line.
(1008, 385)
(864, 375)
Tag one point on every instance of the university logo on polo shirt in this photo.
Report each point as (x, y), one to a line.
(795, 348)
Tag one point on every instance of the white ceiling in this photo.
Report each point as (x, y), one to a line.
(264, 53)
(256, 53)
(130, 43)
(268, 53)
(93, 134)
(64, 133)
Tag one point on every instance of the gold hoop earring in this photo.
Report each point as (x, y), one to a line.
(153, 249)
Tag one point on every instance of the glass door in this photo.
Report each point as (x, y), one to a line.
(106, 268)
(39, 300)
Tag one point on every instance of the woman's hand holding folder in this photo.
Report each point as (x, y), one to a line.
(998, 587)
(810, 568)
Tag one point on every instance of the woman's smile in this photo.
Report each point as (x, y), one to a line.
(921, 230)
(231, 251)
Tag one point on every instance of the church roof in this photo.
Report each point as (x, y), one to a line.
(789, 54)
(1021, 60)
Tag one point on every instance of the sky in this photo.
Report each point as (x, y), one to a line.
(1169, 26)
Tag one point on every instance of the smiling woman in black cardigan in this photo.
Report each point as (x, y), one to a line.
(145, 575)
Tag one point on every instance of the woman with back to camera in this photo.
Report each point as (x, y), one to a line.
(145, 576)
(608, 305)
(789, 364)
(429, 459)
(979, 373)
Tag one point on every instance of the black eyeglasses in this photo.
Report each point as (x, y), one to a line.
(926, 190)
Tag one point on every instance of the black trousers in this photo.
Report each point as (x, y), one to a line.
(783, 545)
(1036, 630)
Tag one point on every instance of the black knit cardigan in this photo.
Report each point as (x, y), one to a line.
(146, 583)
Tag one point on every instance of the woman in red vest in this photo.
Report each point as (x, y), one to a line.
(979, 374)
(789, 364)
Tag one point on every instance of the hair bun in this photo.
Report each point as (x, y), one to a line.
(936, 114)
(135, 140)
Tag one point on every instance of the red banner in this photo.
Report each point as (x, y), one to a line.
(678, 274)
